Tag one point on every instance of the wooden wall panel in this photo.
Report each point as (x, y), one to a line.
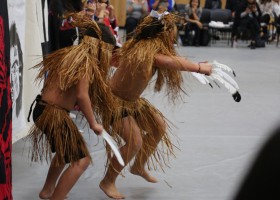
(120, 11)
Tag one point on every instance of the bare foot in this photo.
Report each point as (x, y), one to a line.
(110, 190)
(47, 194)
(144, 174)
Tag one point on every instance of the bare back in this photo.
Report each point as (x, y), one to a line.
(130, 84)
(53, 95)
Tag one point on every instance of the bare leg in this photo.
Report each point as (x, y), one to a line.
(51, 179)
(141, 159)
(132, 136)
(69, 177)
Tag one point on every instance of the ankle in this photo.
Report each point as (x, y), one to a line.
(137, 169)
(109, 180)
(48, 188)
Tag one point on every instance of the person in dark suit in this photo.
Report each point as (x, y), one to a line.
(61, 33)
(213, 4)
(247, 20)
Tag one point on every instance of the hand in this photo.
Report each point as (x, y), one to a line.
(205, 68)
(101, 6)
(97, 128)
(199, 24)
(100, 9)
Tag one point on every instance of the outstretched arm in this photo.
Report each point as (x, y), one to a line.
(84, 104)
(214, 71)
(181, 64)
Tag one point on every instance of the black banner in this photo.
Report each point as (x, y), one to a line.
(5, 107)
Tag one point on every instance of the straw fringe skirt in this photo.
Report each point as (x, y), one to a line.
(55, 131)
(152, 124)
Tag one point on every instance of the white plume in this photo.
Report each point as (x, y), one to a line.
(219, 73)
(227, 85)
(226, 77)
(114, 148)
(200, 77)
(222, 66)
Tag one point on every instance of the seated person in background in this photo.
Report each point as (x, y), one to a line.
(109, 18)
(161, 5)
(276, 7)
(247, 18)
(276, 15)
(61, 33)
(232, 5)
(135, 9)
(266, 9)
(90, 9)
(213, 4)
(193, 14)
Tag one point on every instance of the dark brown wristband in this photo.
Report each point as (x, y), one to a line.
(199, 67)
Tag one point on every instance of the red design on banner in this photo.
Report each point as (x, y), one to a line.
(5, 119)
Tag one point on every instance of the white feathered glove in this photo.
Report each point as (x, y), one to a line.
(219, 74)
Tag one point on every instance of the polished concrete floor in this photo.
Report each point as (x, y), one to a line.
(218, 138)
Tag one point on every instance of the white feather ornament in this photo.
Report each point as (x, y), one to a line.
(114, 148)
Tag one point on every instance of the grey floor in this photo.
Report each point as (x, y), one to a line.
(218, 137)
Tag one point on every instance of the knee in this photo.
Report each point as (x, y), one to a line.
(83, 163)
(136, 142)
(160, 129)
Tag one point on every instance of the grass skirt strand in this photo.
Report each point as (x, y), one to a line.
(146, 117)
(55, 125)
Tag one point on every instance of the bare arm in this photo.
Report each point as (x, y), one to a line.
(84, 104)
(100, 11)
(181, 64)
(144, 6)
(194, 14)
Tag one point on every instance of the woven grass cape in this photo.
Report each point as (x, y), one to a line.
(140, 53)
(89, 60)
